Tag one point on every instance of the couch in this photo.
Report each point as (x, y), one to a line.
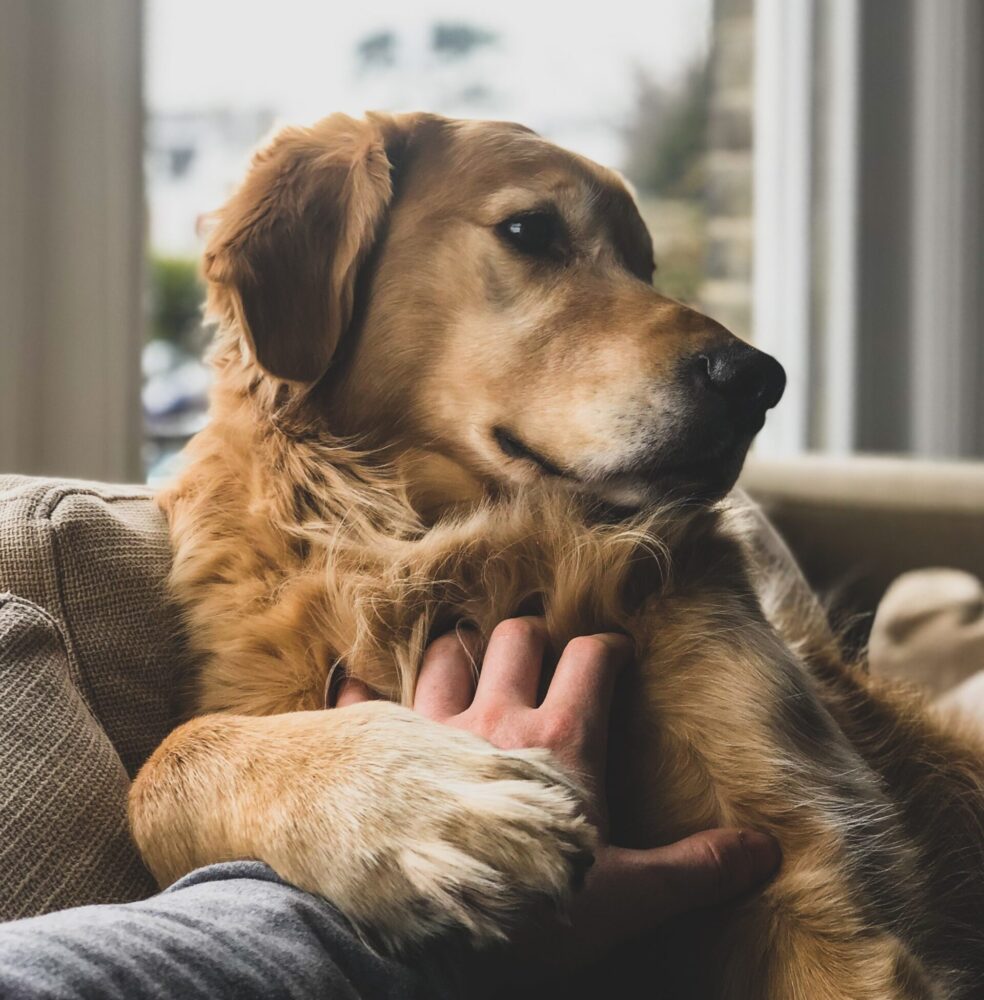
(92, 658)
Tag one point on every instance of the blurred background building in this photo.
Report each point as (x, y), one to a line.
(811, 171)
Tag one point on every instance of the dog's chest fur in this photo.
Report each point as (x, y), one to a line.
(280, 588)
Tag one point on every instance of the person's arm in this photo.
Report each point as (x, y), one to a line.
(231, 931)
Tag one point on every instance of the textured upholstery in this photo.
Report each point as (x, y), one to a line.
(90, 657)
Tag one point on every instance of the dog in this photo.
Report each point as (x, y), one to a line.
(445, 389)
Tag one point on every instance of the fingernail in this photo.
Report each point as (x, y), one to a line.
(763, 852)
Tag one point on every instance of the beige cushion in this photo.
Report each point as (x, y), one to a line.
(929, 630)
(90, 655)
(63, 834)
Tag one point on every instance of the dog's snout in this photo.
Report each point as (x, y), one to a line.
(751, 381)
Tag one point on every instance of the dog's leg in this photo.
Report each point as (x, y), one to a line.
(806, 938)
(730, 729)
(409, 827)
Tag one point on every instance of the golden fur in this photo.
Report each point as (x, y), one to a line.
(347, 503)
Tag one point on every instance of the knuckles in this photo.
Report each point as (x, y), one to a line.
(603, 648)
(526, 631)
(447, 648)
(560, 731)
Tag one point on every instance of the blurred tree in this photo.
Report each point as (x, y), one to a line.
(377, 51)
(667, 137)
(454, 40)
(176, 296)
(476, 93)
(449, 77)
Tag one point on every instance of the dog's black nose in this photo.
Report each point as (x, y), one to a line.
(751, 381)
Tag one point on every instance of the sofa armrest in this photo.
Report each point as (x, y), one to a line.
(64, 839)
(857, 523)
(95, 557)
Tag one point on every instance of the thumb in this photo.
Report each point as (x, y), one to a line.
(629, 892)
(711, 867)
(650, 886)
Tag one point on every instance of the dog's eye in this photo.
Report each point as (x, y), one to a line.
(539, 234)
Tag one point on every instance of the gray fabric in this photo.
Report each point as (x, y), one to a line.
(231, 931)
(89, 655)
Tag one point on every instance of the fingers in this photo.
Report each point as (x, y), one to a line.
(584, 681)
(446, 683)
(513, 661)
(352, 692)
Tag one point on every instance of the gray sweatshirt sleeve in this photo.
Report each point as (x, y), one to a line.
(232, 930)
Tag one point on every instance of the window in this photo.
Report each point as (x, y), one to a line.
(870, 223)
(809, 169)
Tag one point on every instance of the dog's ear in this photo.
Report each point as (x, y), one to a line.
(285, 251)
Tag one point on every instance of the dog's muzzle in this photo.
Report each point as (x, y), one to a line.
(749, 381)
(725, 394)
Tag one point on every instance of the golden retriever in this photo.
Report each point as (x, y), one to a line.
(445, 389)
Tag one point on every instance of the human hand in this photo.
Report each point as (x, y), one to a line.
(627, 892)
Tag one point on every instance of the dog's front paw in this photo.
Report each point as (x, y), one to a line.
(433, 829)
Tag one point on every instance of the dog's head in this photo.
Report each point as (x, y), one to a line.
(468, 291)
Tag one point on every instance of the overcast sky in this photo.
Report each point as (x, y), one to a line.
(566, 69)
